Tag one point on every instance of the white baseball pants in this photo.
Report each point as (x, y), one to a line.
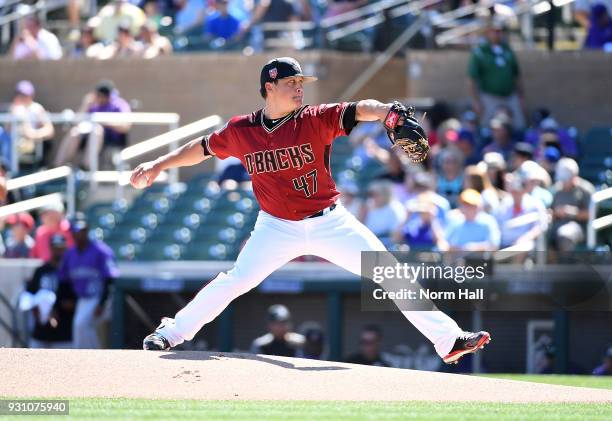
(336, 236)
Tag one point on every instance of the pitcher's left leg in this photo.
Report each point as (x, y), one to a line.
(340, 238)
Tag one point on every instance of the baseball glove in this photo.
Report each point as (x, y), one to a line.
(406, 132)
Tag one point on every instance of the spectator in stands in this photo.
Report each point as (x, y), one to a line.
(35, 42)
(469, 228)
(350, 199)
(466, 143)
(522, 152)
(88, 45)
(495, 166)
(501, 137)
(91, 268)
(536, 181)
(20, 242)
(476, 178)
(3, 192)
(153, 11)
(103, 140)
(384, 212)
(115, 14)
(450, 179)
(423, 186)
(279, 340)
(275, 11)
(52, 222)
(605, 369)
(189, 18)
(153, 44)
(314, 342)
(125, 46)
(33, 126)
(422, 229)
(495, 77)
(369, 348)
(583, 8)
(570, 206)
(600, 32)
(221, 27)
(549, 133)
(519, 204)
(550, 156)
(54, 331)
(337, 7)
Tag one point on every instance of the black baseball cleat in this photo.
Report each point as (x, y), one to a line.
(155, 342)
(467, 343)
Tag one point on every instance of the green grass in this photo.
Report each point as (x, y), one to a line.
(299, 410)
(599, 382)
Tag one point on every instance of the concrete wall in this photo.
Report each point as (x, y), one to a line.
(576, 86)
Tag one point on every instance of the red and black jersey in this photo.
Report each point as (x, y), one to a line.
(289, 163)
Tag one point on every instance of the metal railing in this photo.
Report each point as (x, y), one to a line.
(45, 176)
(42, 7)
(526, 10)
(382, 59)
(68, 116)
(540, 241)
(595, 224)
(30, 204)
(170, 139)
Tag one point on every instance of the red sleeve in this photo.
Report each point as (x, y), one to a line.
(221, 142)
(330, 116)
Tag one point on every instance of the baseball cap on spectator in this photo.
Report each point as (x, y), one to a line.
(466, 135)
(500, 121)
(423, 180)
(105, 87)
(22, 218)
(494, 160)
(124, 27)
(57, 240)
(609, 352)
(514, 182)
(549, 124)
(25, 88)
(524, 149)
(565, 169)
(598, 11)
(469, 116)
(470, 197)
(78, 222)
(53, 207)
(278, 313)
(552, 154)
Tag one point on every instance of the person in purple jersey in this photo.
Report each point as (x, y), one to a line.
(99, 139)
(90, 266)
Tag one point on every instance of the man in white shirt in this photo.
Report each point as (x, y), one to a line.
(35, 42)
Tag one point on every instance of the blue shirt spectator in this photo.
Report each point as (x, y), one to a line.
(600, 29)
(470, 228)
(221, 23)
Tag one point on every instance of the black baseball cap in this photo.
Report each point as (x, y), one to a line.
(78, 222)
(278, 313)
(280, 68)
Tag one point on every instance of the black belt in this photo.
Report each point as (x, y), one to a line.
(322, 212)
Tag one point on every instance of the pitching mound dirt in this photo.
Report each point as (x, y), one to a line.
(204, 375)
